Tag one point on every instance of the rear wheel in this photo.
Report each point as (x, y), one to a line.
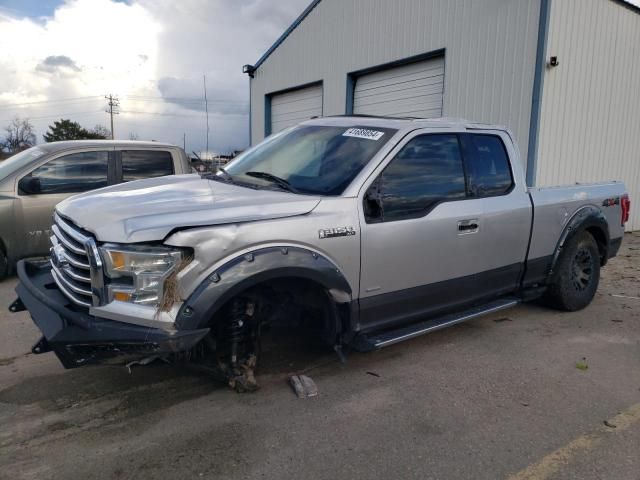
(577, 274)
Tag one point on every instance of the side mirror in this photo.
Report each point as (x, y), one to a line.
(373, 205)
(29, 185)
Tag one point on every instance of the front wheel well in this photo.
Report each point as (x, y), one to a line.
(293, 302)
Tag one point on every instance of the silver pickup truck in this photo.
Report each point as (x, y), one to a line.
(370, 230)
(32, 182)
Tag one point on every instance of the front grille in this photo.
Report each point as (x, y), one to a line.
(75, 264)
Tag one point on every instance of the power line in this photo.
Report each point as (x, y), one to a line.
(182, 100)
(134, 98)
(62, 115)
(162, 114)
(62, 100)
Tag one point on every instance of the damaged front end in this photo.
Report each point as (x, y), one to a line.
(79, 338)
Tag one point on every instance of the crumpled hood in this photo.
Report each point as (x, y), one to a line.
(148, 210)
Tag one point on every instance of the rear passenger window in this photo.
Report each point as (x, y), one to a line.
(427, 171)
(487, 165)
(139, 164)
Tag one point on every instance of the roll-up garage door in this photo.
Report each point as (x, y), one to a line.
(295, 106)
(413, 90)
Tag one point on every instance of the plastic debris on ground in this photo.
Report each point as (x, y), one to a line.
(303, 386)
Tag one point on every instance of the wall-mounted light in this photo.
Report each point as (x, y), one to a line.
(553, 62)
(248, 69)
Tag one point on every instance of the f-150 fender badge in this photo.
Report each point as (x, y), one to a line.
(336, 232)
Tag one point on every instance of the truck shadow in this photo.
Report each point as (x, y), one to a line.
(112, 391)
(160, 385)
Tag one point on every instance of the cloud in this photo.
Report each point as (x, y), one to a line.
(152, 54)
(188, 93)
(56, 63)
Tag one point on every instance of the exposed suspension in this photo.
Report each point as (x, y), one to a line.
(242, 334)
(239, 328)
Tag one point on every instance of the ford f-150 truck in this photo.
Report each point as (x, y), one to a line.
(371, 230)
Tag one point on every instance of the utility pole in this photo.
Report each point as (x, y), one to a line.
(112, 105)
(184, 141)
(206, 109)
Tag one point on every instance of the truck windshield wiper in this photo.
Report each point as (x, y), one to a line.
(226, 177)
(226, 174)
(274, 179)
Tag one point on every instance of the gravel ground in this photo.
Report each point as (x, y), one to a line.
(498, 397)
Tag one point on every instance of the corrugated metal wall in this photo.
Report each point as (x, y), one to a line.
(590, 117)
(489, 59)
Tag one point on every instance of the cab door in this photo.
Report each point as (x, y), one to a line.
(426, 238)
(43, 188)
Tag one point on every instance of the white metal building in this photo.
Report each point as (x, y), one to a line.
(564, 75)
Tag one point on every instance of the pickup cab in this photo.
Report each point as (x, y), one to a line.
(32, 182)
(368, 230)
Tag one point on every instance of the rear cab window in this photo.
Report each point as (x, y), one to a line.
(141, 164)
(487, 163)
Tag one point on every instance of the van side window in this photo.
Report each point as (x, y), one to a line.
(487, 165)
(427, 171)
(139, 164)
(73, 173)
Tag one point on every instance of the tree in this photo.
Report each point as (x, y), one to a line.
(20, 135)
(100, 132)
(65, 129)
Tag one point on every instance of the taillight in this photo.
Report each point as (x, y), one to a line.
(625, 205)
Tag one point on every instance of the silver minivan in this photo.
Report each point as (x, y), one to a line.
(32, 182)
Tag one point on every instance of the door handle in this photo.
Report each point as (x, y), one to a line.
(468, 226)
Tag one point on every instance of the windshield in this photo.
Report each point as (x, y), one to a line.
(310, 159)
(19, 160)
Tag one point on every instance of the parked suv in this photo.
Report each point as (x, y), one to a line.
(368, 230)
(34, 181)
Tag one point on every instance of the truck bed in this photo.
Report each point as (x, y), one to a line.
(555, 206)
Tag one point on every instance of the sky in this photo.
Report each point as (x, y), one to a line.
(61, 57)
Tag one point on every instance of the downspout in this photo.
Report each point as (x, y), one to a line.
(250, 117)
(536, 98)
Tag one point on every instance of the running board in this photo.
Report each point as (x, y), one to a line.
(374, 341)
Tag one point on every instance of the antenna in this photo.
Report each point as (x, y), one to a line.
(206, 108)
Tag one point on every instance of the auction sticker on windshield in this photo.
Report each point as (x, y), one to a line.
(363, 133)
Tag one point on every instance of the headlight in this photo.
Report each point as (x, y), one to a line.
(138, 273)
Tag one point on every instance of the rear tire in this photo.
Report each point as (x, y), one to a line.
(576, 276)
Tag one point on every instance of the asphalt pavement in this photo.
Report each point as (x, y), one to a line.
(499, 397)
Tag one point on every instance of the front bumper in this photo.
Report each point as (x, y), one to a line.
(78, 338)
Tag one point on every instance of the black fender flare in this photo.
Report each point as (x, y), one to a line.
(585, 218)
(256, 267)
